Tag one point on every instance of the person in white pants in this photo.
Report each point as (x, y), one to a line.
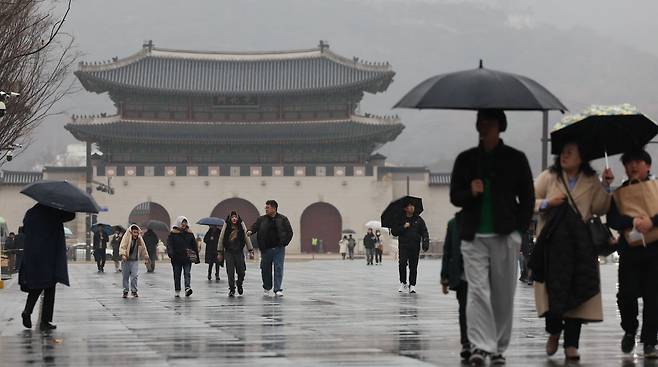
(493, 185)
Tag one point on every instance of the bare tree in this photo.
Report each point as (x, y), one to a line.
(36, 58)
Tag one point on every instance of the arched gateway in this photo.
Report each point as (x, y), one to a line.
(149, 210)
(324, 222)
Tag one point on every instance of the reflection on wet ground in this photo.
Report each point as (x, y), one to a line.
(333, 313)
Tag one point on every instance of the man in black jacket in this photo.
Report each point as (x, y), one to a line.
(493, 185)
(274, 233)
(411, 232)
(638, 266)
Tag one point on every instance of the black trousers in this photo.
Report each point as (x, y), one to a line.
(638, 277)
(378, 255)
(48, 305)
(210, 266)
(462, 292)
(235, 264)
(571, 328)
(408, 257)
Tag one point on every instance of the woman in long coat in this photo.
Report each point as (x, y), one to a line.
(182, 248)
(212, 239)
(44, 262)
(567, 286)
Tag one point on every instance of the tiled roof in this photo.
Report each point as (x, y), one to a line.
(174, 71)
(440, 178)
(19, 177)
(355, 128)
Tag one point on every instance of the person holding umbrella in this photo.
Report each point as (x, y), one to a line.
(151, 240)
(100, 246)
(403, 217)
(493, 185)
(45, 263)
(342, 246)
(565, 267)
(212, 240)
(379, 249)
(232, 240)
(183, 251)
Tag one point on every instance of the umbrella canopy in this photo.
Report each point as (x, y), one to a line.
(67, 232)
(118, 228)
(479, 89)
(604, 130)
(107, 229)
(211, 221)
(156, 225)
(394, 212)
(349, 231)
(61, 195)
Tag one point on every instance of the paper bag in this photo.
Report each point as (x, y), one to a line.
(639, 199)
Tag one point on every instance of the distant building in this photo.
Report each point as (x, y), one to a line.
(203, 133)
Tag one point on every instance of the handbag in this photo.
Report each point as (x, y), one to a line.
(599, 234)
(192, 255)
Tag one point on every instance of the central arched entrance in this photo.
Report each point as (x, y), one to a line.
(149, 210)
(245, 209)
(324, 222)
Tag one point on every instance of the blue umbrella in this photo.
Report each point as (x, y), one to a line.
(211, 221)
(107, 229)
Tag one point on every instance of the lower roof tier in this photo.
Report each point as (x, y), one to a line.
(113, 129)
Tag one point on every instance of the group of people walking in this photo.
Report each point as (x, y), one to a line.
(493, 185)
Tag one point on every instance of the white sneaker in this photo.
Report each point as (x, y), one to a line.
(403, 287)
(267, 293)
(412, 289)
(278, 293)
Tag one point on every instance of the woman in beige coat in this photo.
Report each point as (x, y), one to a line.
(591, 196)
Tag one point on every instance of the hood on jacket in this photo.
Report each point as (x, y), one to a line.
(135, 225)
(228, 219)
(179, 222)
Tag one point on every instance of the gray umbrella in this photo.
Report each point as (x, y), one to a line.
(61, 195)
(478, 89)
(156, 225)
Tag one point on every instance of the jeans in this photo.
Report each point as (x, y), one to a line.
(571, 327)
(408, 256)
(370, 253)
(350, 252)
(130, 273)
(47, 306)
(272, 257)
(178, 268)
(235, 264)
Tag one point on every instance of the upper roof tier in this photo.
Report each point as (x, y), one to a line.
(158, 70)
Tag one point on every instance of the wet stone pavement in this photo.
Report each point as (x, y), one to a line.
(334, 313)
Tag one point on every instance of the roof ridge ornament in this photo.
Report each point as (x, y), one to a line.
(323, 45)
(148, 45)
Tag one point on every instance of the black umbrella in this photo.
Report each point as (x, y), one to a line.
(603, 135)
(156, 225)
(478, 89)
(61, 195)
(118, 228)
(211, 221)
(107, 229)
(394, 212)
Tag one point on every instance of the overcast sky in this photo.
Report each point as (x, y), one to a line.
(584, 51)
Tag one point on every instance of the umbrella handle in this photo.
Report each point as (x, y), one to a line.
(607, 164)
